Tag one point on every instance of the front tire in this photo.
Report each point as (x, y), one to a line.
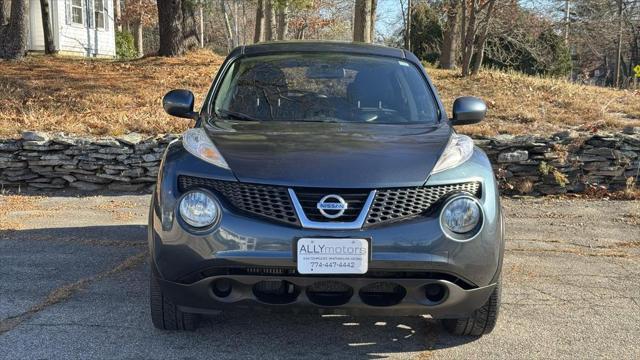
(165, 315)
(481, 321)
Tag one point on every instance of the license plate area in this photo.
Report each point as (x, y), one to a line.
(332, 256)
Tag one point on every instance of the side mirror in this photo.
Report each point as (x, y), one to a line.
(468, 110)
(180, 103)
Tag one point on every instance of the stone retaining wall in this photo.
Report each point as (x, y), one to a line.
(565, 162)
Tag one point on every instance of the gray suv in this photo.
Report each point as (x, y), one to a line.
(326, 177)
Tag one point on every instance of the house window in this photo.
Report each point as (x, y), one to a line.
(76, 12)
(98, 9)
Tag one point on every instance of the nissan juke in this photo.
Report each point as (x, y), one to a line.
(325, 177)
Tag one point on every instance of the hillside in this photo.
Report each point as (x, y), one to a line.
(107, 97)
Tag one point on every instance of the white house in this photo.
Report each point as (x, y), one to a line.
(80, 27)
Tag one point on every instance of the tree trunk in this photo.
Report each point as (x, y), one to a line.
(49, 47)
(236, 29)
(244, 24)
(228, 33)
(282, 21)
(299, 35)
(117, 14)
(201, 23)
(482, 39)
(463, 27)
(13, 40)
(137, 38)
(258, 34)
(177, 24)
(170, 27)
(3, 16)
(567, 7)
(372, 21)
(407, 29)
(448, 54)
(269, 20)
(616, 81)
(362, 21)
(469, 38)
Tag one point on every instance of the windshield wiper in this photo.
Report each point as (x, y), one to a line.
(236, 115)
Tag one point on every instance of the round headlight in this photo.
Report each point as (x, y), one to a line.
(199, 209)
(461, 215)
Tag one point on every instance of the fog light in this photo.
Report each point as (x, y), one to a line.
(199, 209)
(461, 215)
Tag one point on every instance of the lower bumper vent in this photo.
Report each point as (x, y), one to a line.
(329, 293)
(382, 294)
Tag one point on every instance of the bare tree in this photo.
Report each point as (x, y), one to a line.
(49, 47)
(362, 21)
(138, 30)
(269, 20)
(481, 39)
(176, 22)
(3, 15)
(567, 20)
(372, 27)
(471, 23)
(407, 28)
(117, 14)
(282, 19)
(258, 34)
(616, 80)
(227, 25)
(13, 36)
(448, 54)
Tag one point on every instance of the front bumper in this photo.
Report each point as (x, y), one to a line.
(245, 292)
(409, 255)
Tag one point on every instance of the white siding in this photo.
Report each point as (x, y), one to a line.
(81, 39)
(36, 35)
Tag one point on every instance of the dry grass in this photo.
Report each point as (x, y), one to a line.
(96, 96)
(521, 104)
(110, 97)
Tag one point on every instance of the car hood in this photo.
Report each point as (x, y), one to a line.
(330, 155)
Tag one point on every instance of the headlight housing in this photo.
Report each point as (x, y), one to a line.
(458, 150)
(199, 209)
(200, 145)
(461, 218)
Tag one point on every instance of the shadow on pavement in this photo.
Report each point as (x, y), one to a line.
(291, 336)
(99, 235)
(67, 192)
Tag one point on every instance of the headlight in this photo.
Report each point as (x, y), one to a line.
(461, 217)
(200, 145)
(199, 209)
(458, 150)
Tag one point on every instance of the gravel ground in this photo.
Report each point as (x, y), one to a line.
(73, 284)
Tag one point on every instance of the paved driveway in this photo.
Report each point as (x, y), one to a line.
(73, 284)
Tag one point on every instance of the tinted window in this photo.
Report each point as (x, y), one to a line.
(325, 87)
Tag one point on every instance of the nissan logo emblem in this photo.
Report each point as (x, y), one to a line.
(332, 206)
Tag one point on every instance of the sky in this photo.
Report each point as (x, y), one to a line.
(389, 13)
(389, 16)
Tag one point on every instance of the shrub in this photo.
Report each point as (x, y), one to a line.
(125, 48)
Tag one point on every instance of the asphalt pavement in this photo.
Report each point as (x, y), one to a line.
(74, 285)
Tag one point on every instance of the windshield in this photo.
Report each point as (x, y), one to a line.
(325, 87)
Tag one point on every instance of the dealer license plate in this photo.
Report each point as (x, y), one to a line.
(332, 256)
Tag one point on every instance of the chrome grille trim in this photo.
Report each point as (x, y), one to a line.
(336, 225)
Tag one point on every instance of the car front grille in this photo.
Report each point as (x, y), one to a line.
(274, 203)
(271, 202)
(397, 204)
